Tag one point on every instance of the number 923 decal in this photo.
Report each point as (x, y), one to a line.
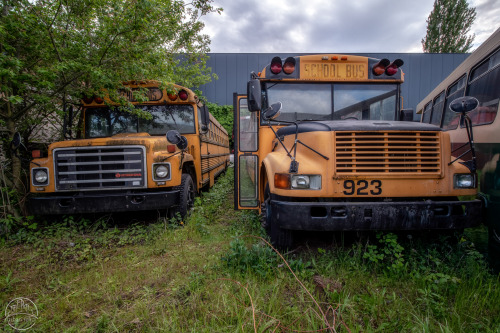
(362, 187)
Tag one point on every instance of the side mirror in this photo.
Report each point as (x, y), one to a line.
(17, 141)
(464, 104)
(205, 115)
(272, 112)
(177, 139)
(406, 115)
(205, 119)
(254, 95)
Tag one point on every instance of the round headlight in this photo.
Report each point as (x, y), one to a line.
(300, 181)
(41, 176)
(161, 171)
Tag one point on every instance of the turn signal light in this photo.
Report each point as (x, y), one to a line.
(380, 67)
(276, 65)
(393, 67)
(289, 66)
(36, 154)
(282, 180)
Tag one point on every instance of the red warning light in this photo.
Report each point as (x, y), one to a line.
(380, 67)
(276, 65)
(183, 95)
(393, 67)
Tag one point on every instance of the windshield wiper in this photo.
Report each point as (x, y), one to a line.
(274, 110)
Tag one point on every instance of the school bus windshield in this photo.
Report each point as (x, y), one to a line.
(311, 101)
(104, 122)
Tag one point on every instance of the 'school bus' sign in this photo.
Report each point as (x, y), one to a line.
(334, 71)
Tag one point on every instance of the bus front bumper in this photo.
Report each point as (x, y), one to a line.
(84, 203)
(413, 215)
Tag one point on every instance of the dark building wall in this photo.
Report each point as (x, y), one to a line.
(423, 72)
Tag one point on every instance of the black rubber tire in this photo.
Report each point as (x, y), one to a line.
(187, 193)
(282, 239)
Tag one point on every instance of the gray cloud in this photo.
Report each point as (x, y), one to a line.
(310, 26)
(487, 20)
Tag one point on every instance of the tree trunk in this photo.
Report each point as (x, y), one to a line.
(15, 181)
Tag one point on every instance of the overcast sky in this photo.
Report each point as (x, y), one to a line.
(331, 26)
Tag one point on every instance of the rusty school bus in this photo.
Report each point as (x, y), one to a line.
(322, 144)
(125, 162)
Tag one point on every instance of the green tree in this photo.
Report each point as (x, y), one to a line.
(447, 27)
(54, 52)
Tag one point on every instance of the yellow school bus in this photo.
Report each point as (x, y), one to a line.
(131, 163)
(323, 144)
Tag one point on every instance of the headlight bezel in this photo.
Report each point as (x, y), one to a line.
(463, 181)
(36, 172)
(162, 166)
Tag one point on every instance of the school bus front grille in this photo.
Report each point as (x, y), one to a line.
(388, 153)
(99, 168)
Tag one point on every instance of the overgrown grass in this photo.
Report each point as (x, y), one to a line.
(212, 273)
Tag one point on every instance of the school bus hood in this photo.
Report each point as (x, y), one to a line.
(355, 126)
(155, 143)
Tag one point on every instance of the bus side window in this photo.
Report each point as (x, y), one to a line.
(437, 109)
(456, 90)
(484, 86)
(426, 117)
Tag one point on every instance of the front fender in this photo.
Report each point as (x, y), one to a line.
(279, 162)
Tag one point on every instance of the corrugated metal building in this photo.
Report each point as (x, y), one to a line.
(423, 72)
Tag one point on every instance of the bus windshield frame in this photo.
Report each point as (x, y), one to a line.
(109, 121)
(333, 101)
